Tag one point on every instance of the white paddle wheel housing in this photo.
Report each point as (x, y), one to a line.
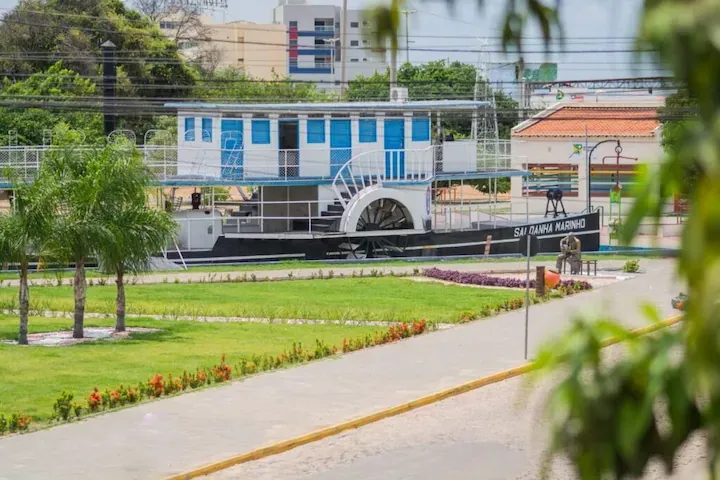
(379, 208)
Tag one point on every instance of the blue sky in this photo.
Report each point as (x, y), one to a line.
(599, 28)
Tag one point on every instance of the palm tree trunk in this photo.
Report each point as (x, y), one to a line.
(24, 300)
(120, 301)
(79, 288)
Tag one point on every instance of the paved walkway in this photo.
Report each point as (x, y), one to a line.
(283, 274)
(161, 438)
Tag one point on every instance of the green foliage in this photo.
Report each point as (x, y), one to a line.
(234, 85)
(151, 65)
(434, 80)
(604, 417)
(58, 82)
(77, 28)
(677, 125)
(631, 266)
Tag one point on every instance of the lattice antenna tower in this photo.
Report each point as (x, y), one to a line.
(485, 125)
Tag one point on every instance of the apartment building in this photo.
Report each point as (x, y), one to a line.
(314, 42)
(258, 49)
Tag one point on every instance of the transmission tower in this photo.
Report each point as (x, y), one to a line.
(491, 154)
(485, 124)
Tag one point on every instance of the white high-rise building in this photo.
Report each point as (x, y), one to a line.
(314, 42)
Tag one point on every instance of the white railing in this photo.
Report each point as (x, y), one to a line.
(381, 166)
(170, 163)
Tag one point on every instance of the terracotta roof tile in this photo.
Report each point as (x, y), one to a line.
(570, 121)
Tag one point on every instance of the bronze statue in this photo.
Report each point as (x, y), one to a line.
(569, 251)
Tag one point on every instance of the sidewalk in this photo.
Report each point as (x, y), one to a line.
(158, 439)
(304, 273)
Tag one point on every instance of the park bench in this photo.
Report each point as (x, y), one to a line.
(584, 264)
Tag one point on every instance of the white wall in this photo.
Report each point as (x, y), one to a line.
(648, 150)
(460, 156)
(314, 157)
(260, 161)
(198, 157)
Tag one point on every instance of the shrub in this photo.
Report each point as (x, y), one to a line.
(19, 423)
(631, 266)
(222, 371)
(468, 316)
(94, 400)
(3, 424)
(157, 387)
(490, 281)
(63, 406)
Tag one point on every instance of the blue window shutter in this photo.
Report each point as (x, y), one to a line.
(316, 131)
(261, 132)
(420, 129)
(190, 129)
(207, 130)
(368, 131)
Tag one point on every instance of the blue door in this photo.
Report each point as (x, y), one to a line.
(394, 148)
(340, 144)
(231, 153)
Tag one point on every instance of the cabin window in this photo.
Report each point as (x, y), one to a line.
(189, 129)
(420, 129)
(261, 132)
(316, 131)
(207, 127)
(368, 131)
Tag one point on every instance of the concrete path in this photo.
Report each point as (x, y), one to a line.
(161, 438)
(194, 276)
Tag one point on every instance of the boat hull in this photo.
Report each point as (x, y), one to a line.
(504, 240)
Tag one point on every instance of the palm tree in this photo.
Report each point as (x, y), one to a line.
(88, 183)
(22, 235)
(138, 232)
(385, 19)
(386, 25)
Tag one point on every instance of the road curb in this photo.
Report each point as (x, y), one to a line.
(317, 435)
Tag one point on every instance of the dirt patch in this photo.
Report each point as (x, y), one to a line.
(92, 334)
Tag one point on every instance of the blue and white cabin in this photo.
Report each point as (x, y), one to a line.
(324, 168)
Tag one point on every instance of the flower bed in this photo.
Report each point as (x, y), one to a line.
(567, 286)
(66, 408)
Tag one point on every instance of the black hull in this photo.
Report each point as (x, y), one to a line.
(503, 241)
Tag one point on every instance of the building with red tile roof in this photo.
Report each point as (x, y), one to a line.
(554, 145)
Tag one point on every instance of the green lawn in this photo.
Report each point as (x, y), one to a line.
(326, 266)
(387, 299)
(33, 377)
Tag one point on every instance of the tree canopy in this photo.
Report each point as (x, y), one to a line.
(437, 80)
(58, 82)
(36, 32)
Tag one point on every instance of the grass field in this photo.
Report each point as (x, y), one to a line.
(300, 264)
(385, 299)
(33, 377)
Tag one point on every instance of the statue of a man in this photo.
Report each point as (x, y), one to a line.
(569, 251)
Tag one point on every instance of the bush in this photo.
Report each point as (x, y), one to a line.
(490, 281)
(63, 407)
(631, 266)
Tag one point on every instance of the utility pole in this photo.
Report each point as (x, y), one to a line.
(407, 14)
(343, 47)
(109, 86)
(521, 79)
